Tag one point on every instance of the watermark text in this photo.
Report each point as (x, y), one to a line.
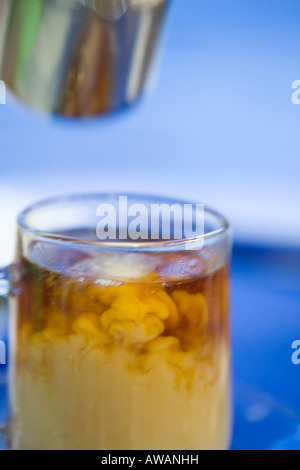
(152, 459)
(296, 93)
(2, 353)
(124, 221)
(2, 92)
(296, 353)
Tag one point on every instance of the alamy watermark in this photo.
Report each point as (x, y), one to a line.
(2, 92)
(296, 353)
(137, 221)
(2, 353)
(296, 93)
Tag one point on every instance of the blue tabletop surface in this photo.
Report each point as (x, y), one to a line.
(265, 322)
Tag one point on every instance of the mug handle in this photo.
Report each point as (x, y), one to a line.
(4, 291)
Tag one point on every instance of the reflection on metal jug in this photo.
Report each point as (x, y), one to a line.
(78, 57)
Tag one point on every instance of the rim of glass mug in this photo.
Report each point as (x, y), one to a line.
(27, 221)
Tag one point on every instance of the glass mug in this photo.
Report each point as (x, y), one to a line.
(117, 345)
(79, 57)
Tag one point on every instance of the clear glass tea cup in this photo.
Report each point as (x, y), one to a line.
(79, 57)
(117, 345)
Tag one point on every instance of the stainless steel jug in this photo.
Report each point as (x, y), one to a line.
(78, 57)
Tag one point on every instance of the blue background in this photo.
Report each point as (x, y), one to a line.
(219, 126)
